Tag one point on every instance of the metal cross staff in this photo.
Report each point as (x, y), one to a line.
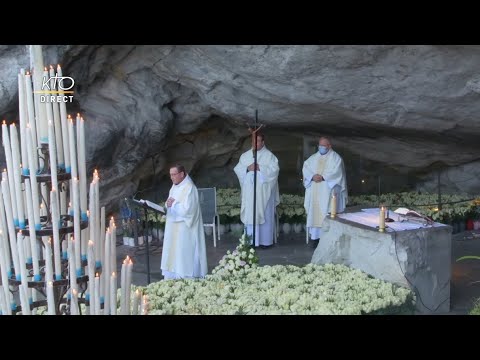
(253, 130)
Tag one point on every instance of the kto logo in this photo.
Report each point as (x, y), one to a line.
(55, 89)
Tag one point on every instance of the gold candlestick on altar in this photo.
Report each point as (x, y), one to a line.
(381, 226)
(333, 206)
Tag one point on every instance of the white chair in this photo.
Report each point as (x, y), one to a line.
(208, 204)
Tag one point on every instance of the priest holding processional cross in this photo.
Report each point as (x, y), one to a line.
(257, 172)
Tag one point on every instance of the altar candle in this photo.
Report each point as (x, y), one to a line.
(113, 293)
(333, 205)
(381, 226)
(64, 127)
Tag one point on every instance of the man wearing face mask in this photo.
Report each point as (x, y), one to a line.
(323, 176)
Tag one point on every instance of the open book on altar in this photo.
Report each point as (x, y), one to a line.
(412, 215)
(150, 204)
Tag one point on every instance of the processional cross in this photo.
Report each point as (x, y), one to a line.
(253, 129)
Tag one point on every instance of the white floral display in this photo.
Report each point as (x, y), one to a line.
(281, 289)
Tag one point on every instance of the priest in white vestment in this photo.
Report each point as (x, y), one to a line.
(323, 176)
(267, 197)
(184, 252)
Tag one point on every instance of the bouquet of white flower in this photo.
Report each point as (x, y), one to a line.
(239, 261)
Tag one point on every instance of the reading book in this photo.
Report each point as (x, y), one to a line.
(151, 205)
(412, 215)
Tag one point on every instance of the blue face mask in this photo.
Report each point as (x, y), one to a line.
(322, 149)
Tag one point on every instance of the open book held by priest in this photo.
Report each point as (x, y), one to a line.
(152, 205)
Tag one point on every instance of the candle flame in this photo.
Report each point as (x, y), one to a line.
(97, 275)
(114, 274)
(4, 122)
(74, 292)
(53, 189)
(51, 67)
(45, 69)
(28, 126)
(28, 73)
(90, 243)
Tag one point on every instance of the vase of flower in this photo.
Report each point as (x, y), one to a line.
(286, 227)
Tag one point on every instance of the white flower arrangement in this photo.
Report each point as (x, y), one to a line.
(242, 258)
(281, 289)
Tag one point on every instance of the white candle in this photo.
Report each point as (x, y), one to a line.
(57, 124)
(97, 295)
(11, 228)
(136, 302)
(144, 306)
(53, 156)
(32, 232)
(49, 277)
(82, 172)
(5, 271)
(17, 176)
(23, 118)
(113, 247)
(56, 234)
(11, 181)
(106, 269)
(113, 294)
(92, 223)
(36, 57)
(45, 111)
(23, 288)
(33, 181)
(128, 281)
(74, 302)
(31, 115)
(123, 286)
(4, 235)
(4, 309)
(72, 266)
(76, 226)
(91, 276)
(73, 151)
(381, 226)
(64, 127)
(50, 299)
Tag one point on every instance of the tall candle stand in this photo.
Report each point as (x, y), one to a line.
(60, 287)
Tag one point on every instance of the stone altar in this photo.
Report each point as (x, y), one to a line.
(409, 254)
